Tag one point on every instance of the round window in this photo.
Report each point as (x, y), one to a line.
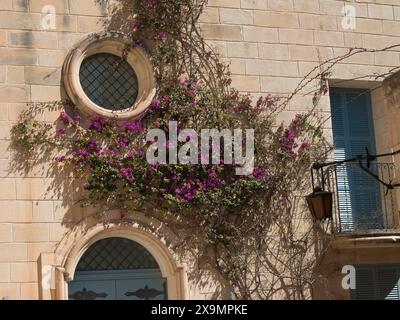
(109, 81)
(100, 82)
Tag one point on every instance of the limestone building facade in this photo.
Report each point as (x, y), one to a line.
(271, 45)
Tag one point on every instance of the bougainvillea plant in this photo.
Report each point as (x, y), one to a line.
(242, 227)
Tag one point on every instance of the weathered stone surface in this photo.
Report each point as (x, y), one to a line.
(18, 56)
(60, 6)
(4, 272)
(16, 74)
(3, 38)
(88, 8)
(10, 290)
(51, 58)
(235, 16)
(270, 46)
(20, 5)
(33, 232)
(5, 233)
(14, 93)
(43, 76)
(31, 39)
(12, 252)
(221, 32)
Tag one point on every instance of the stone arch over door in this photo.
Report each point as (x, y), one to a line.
(68, 257)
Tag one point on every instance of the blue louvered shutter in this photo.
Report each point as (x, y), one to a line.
(359, 194)
(365, 284)
(388, 283)
(339, 136)
(377, 283)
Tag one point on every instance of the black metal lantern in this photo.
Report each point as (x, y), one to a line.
(320, 203)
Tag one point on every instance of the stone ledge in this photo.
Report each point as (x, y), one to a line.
(367, 239)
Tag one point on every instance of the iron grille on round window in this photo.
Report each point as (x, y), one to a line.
(109, 81)
(116, 254)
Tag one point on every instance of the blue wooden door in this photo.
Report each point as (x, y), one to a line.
(359, 195)
(118, 285)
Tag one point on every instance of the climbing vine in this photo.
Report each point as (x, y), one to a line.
(244, 228)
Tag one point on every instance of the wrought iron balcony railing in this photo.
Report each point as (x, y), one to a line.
(361, 203)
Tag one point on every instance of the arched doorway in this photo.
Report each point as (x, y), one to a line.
(117, 269)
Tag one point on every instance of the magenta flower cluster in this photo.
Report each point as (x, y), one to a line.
(114, 147)
(290, 137)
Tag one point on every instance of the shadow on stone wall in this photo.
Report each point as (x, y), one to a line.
(46, 180)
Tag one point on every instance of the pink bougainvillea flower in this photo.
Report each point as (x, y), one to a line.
(60, 158)
(137, 24)
(127, 174)
(155, 105)
(259, 174)
(132, 126)
(65, 118)
(161, 34)
(60, 132)
(98, 124)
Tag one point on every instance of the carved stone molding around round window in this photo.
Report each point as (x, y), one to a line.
(99, 82)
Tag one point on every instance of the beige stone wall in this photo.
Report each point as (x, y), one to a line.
(271, 45)
(31, 215)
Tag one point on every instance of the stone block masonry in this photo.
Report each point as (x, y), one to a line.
(271, 45)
